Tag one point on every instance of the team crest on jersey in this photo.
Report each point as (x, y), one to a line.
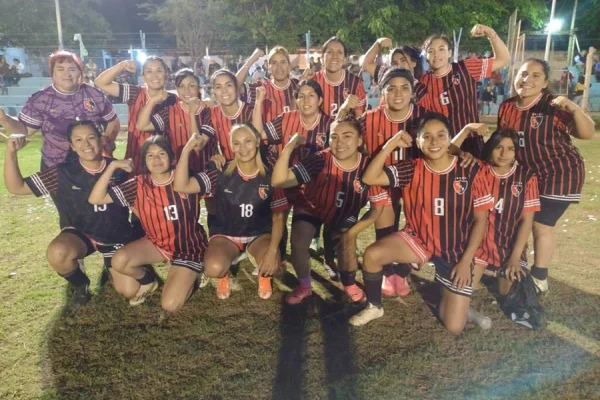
(536, 120)
(358, 186)
(320, 139)
(516, 189)
(262, 192)
(89, 104)
(183, 195)
(461, 185)
(456, 79)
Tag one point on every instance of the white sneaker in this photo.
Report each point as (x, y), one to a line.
(333, 274)
(478, 318)
(204, 280)
(367, 315)
(315, 244)
(541, 285)
(243, 256)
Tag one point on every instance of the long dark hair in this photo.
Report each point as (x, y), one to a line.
(160, 141)
(432, 116)
(184, 73)
(355, 124)
(437, 36)
(545, 69)
(226, 72)
(415, 55)
(98, 129)
(495, 139)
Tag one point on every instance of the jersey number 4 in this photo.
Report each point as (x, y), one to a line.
(247, 210)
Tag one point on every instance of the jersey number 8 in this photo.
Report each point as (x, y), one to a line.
(438, 206)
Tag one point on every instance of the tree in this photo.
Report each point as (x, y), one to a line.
(32, 23)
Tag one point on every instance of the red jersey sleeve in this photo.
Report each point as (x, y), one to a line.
(274, 130)
(400, 174)
(207, 181)
(160, 119)
(482, 192)
(564, 122)
(125, 193)
(279, 202)
(128, 93)
(250, 95)
(43, 183)
(532, 196)
(204, 121)
(308, 168)
(479, 68)
(378, 196)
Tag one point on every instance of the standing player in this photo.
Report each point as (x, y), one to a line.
(339, 85)
(84, 228)
(446, 207)
(67, 100)
(398, 113)
(154, 72)
(170, 220)
(279, 90)
(249, 211)
(451, 87)
(332, 194)
(545, 124)
(515, 193)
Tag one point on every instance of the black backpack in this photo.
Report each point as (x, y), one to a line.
(521, 304)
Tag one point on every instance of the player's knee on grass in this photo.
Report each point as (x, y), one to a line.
(120, 261)
(172, 304)
(216, 266)
(61, 257)
(125, 285)
(453, 324)
(371, 259)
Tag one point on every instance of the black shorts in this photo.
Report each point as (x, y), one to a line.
(442, 275)
(107, 250)
(550, 211)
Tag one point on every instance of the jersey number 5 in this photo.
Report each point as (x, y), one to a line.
(171, 213)
(339, 199)
(247, 210)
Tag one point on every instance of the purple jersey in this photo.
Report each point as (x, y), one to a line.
(51, 112)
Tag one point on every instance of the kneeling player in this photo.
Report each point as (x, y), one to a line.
(332, 194)
(170, 220)
(446, 208)
(249, 211)
(85, 228)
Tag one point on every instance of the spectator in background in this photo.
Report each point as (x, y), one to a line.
(17, 71)
(566, 77)
(487, 97)
(257, 75)
(579, 61)
(579, 88)
(4, 71)
(92, 69)
(597, 68)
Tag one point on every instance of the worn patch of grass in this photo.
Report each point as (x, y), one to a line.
(248, 348)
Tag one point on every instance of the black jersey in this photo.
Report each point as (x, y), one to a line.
(244, 203)
(69, 184)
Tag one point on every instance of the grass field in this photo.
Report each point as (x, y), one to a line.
(248, 348)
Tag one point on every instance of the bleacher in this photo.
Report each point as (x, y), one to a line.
(18, 95)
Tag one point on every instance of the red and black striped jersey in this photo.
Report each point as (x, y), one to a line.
(281, 129)
(378, 127)
(244, 203)
(514, 194)
(454, 95)
(70, 184)
(170, 219)
(277, 99)
(331, 193)
(136, 98)
(174, 120)
(546, 146)
(223, 124)
(334, 94)
(440, 206)
(419, 89)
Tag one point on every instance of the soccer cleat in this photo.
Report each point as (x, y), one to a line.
(255, 271)
(143, 293)
(355, 293)
(331, 268)
(388, 286)
(541, 286)
(298, 295)
(401, 286)
(315, 244)
(478, 318)
(223, 287)
(367, 315)
(81, 296)
(264, 287)
(204, 280)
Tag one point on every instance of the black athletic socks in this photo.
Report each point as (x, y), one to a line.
(348, 278)
(539, 273)
(373, 287)
(149, 276)
(76, 277)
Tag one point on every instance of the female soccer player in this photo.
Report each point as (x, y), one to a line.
(337, 84)
(84, 228)
(170, 220)
(446, 207)
(398, 113)
(332, 194)
(279, 90)
(67, 100)
(154, 72)
(249, 210)
(515, 194)
(451, 87)
(545, 124)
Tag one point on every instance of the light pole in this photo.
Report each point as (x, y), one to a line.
(59, 25)
(572, 36)
(549, 38)
(554, 26)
